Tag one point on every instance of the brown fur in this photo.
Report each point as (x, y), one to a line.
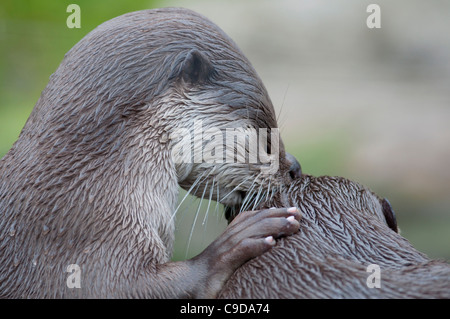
(343, 230)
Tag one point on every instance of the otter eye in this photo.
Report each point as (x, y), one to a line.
(295, 169)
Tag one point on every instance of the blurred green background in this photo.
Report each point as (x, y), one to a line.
(370, 105)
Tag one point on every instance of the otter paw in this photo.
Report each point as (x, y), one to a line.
(252, 233)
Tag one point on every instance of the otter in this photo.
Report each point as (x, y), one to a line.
(92, 181)
(345, 227)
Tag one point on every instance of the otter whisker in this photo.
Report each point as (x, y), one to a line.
(278, 117)
(235, 188)
(195, 219)
(249, 195)
(188, 207)
(247, 200)
(257, 199)
(211, 191)
(249, 191)
(217, 205)
(195, 184)
(263, 198)
(268, 189)
(205, 218)
(274, 189)
(253, 199)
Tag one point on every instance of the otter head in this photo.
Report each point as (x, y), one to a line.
(327, 198)
(219, 117)
(160, 90)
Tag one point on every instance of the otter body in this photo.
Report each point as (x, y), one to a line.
(344, 228)
(92, 181)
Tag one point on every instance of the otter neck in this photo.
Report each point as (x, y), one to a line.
(148, 191)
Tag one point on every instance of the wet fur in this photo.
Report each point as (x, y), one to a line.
(343, 230)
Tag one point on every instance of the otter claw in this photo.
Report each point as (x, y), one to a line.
(270, 240)
(291, 219)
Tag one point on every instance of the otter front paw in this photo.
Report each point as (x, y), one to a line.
(250, 234)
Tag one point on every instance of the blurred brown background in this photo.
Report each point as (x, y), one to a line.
(372, 105)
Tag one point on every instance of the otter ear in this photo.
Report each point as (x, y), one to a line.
(196, 68)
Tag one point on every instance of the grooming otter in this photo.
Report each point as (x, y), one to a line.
(344, 228)
(91, 180)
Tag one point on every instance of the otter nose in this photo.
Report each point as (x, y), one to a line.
(295, 170)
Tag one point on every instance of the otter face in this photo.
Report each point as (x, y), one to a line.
(227, 145)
